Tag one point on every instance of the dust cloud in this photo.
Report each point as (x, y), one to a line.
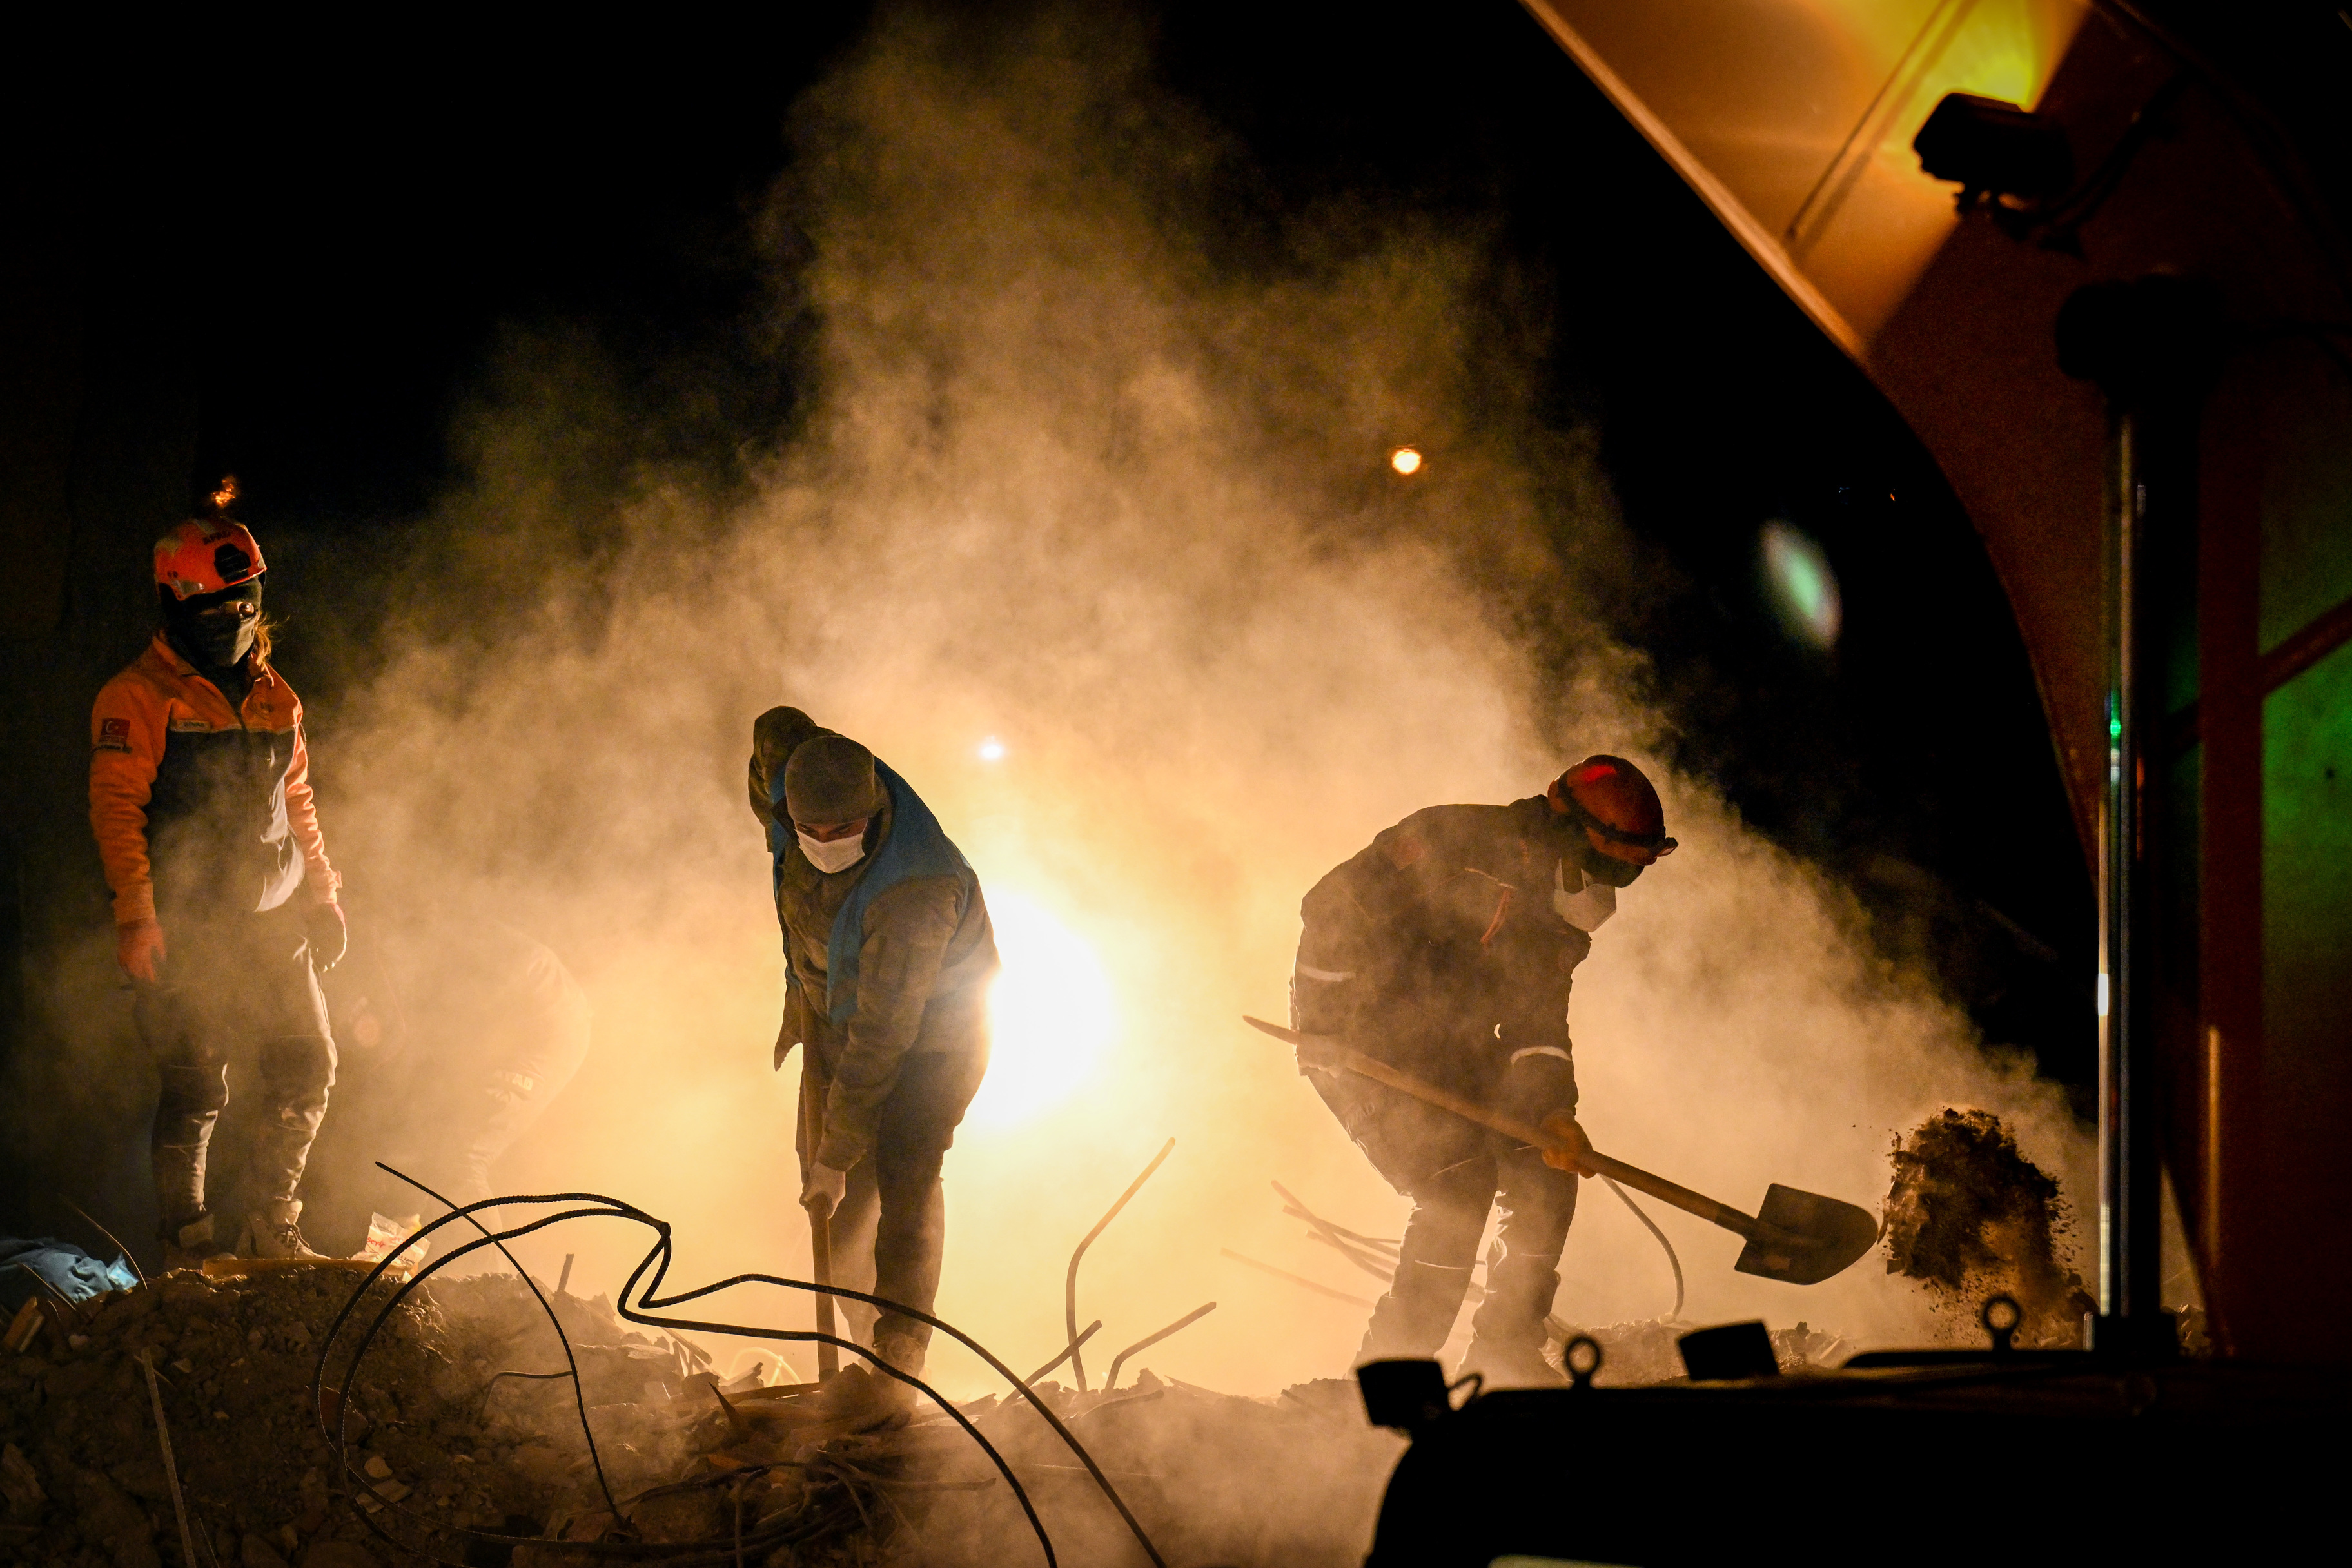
(1969, 1216)
(1088, 528)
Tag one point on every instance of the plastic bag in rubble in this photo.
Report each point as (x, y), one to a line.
(69, 1271)
(384, 1234)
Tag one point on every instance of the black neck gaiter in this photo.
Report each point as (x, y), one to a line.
(215, 644)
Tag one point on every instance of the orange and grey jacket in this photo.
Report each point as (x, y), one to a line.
(198, 807)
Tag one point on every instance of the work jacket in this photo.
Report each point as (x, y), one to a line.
(924, 953)
(1440, 950)
(200, 808)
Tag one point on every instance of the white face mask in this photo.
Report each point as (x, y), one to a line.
(834, 854)
(1586, 909)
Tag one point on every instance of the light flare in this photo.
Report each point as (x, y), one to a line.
(1804, 589)
(1405, 461)
(1050, 1015)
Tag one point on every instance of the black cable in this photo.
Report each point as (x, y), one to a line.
(579, 1394)
(339, 1439)
(658, 1258)
(678, 1552)
(1652, 1225)
(662, 1250)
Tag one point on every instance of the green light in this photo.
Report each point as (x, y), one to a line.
(1804, 589)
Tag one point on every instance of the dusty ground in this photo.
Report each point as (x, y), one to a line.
(455, 1452)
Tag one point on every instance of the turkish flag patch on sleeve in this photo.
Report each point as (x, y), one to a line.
(114, 734)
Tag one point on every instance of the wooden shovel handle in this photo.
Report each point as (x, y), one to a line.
(1320, 1049)
(813, 1095)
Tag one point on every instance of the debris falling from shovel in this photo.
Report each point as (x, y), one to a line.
(1969, 1215)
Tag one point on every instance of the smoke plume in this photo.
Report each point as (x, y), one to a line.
(1089, 468)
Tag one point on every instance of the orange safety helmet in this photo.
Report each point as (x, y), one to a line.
(1617, 806)
(207, 557)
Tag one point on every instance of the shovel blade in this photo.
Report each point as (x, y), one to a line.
(1840, 1233)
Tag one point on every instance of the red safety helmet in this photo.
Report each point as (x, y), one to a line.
(207, 557)
(1618, 808)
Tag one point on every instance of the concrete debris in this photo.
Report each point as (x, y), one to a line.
(19, 1485)
(458, 1428)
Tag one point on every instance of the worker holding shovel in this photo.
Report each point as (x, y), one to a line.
(888, 953)
(1444, 950)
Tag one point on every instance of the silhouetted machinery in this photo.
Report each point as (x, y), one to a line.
(2129, 344)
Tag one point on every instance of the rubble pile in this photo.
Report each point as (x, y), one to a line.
(233, 1360)
(459, 1434)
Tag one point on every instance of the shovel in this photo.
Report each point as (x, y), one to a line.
(1800, 1238)
(812, 1093)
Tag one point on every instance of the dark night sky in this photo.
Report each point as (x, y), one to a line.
(353, 242)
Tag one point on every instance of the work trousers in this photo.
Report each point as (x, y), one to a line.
(1454, 1172)
(890, 1230)
(1441, 1246)
(230, 984)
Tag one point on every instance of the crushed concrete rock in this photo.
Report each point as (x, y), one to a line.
(455, 1451)
(1970, 1217)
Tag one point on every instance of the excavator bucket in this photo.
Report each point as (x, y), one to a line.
(1836, 1234)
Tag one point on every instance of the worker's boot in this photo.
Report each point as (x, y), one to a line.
(187, 1245)
(858, 1393)
(274, 1230)
(1506, 1341)
(1417, 1315)
(906, 1352)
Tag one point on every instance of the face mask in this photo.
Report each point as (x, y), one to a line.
(218, 639)
(1591, 904)
(221, 642)
(838, 855)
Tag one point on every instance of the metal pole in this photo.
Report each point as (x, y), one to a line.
(2153, 345)
(2129, 1180)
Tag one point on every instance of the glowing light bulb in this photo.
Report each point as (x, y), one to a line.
(1405, 461)
(992, 750)
(1049, 1013)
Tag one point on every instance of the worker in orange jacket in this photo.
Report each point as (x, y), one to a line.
(223, 899)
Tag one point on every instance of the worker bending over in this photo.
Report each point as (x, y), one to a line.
(1445, 950)
(889, 953)
(223, 899)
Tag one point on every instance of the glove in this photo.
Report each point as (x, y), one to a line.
(139, 948)
(1572, 1143)
(821, 1194)
(323, 928)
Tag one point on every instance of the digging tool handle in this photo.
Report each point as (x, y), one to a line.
(813, 1095)
(1318, 1049)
